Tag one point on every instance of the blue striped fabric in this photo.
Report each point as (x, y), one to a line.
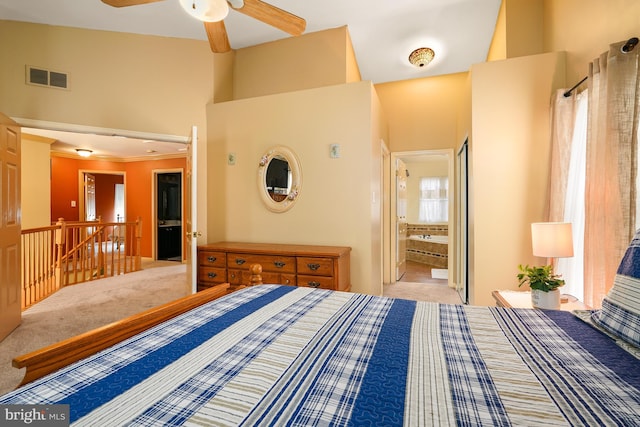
(476, 400)
(276, 355)
(620, 312)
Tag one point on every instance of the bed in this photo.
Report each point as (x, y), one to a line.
(285, 355)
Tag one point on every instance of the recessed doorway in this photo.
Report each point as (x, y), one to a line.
(168, 206)
(422, 226)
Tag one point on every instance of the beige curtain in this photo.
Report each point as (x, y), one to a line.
(610, 189)
(562, 125)
(567, 182)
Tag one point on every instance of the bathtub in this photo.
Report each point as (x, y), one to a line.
(429, 238)
(428, 249)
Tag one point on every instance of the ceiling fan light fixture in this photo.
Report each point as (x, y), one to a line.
(206, 10)
(421, 57)
(83, 152)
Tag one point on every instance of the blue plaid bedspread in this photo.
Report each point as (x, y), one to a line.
(280, 355)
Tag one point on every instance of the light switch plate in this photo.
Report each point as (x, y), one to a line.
(334, 151)
(231, 159)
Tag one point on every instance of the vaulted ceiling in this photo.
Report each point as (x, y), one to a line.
(383, 32)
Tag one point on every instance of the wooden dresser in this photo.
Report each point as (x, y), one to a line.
(325, 267)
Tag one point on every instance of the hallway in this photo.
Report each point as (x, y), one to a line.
(418, 284)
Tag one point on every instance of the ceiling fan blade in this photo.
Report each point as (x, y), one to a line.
(122, 3)
(271, 15)
(217, 35)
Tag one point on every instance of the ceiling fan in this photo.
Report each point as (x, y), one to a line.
(214, 26)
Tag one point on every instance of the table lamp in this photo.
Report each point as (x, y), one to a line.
(552, 239)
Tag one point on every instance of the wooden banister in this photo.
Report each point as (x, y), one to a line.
(80, 251)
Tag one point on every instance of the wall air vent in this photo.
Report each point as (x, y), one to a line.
(42, 77)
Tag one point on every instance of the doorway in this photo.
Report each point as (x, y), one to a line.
(101, 195)
(168, 213)
(418, 228)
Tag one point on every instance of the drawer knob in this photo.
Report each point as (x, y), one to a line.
(279, 264)
(240, 261)
(313, 284)
(211, 259)
(313, 267)
(211, 275)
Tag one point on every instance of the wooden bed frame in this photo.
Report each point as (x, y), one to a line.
(48, 359)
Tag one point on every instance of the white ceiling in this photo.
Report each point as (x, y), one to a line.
(112, 146)
(383, 32)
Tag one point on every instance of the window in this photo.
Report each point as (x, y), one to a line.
(434, 199)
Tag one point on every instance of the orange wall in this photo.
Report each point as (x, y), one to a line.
(138, 189)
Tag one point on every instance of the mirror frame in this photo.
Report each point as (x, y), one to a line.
(296, 178)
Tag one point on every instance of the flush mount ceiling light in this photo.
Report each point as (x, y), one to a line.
(421, 57)
(83, 152)
(206, 10)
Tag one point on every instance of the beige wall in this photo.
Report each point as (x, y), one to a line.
(120, 81)
(511, 150)
(375, 194)
(423, 113)
(117, 80)
(323, 58)
(353, 70)
(524, 27)
(334, 206)
(586, 28)
(498, 47)
(35, 179)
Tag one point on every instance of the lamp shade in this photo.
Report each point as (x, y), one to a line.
(552, 239)
(206, 10)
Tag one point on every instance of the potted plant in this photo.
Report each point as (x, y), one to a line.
(544, 285)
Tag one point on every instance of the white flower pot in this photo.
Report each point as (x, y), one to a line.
(548, 300)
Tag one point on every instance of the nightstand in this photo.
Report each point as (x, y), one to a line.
(522, 299)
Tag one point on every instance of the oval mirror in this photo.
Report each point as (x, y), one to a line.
(279, 179)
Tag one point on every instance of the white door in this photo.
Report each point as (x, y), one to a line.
(10, 295)
(401, 220)
(191, 210)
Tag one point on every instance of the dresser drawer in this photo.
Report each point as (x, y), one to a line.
(273, 278)
(212, 275)
(212, 259)
(316, 282)
(243, 277)
(234, 276)
(274, 263)
(315, 266)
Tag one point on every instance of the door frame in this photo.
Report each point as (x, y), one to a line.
(385, 212)
(154, 207)
(449, 153)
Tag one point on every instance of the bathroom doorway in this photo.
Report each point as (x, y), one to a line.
(427, 220)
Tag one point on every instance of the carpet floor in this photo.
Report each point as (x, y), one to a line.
(80, 308)
(434, 290)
